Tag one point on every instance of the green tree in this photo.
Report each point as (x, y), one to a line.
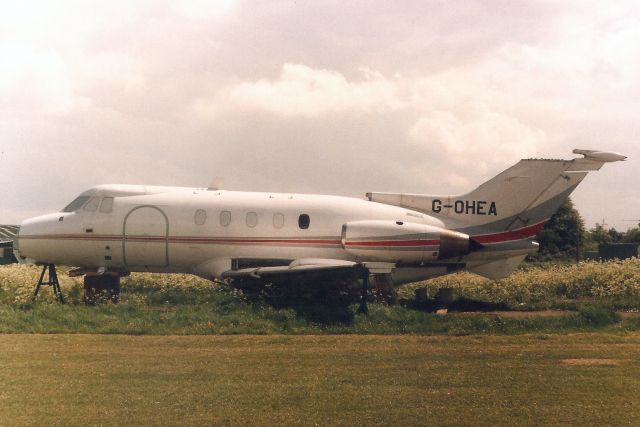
(597, 236)
(632, 236)
(600, 236)
(563, 236)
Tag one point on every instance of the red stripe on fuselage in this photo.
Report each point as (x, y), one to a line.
(505, 236)
(392, 243)
(275, 241)
(178, 239)
(511, 235)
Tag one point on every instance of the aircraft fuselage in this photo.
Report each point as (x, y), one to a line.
(185, 229)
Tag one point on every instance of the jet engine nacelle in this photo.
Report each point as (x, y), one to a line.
(404, 242)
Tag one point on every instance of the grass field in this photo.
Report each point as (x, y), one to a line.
(197, 353)
(572, 379)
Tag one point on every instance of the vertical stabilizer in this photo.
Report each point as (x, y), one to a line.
(522, 197)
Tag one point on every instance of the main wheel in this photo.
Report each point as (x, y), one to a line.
(100, 289)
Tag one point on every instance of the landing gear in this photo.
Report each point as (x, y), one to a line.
(444, 298)
(383, 289)
(52, 281)
(101, 289)
(364, 309)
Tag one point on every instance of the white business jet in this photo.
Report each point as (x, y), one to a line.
(111, 230)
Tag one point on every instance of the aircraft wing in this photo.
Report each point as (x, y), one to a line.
(8, 233)
(306, 265)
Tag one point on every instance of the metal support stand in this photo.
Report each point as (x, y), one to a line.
(364, 309)
(51, 281)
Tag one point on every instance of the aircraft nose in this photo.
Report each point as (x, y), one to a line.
(32, 239)
(21, 243)
(27, 227)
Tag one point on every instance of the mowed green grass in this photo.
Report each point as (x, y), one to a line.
(571, 379)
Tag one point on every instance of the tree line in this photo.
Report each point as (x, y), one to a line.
(565, 236)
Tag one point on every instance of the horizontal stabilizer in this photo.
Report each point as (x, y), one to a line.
(600, 156)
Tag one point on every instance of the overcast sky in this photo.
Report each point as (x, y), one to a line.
(327, 97)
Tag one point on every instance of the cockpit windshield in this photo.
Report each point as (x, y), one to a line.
(76, 204)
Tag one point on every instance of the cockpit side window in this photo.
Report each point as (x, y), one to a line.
(76, 204)
(107, 205)
(92, 204)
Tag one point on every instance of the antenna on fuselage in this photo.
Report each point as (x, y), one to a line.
(216, 184)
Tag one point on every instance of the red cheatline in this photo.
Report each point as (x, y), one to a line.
(518, 234)
(395, 243)
(506, 236)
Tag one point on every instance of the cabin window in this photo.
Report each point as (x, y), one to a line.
(92, 204)
(278, 220)
(76, 204)
(252, 219)
(225, 218)
(304, 221)
(107, 205)
(200, 217)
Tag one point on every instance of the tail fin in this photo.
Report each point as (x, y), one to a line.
(522, 197)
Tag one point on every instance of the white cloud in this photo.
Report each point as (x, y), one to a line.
(466, 146)
(36, 82)
(46, 60)
(203, 9)
(304, 91)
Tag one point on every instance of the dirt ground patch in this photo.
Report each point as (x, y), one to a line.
(592, 362)
(542, 313)
(630, 314)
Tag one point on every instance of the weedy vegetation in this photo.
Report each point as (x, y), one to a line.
(613, 284)
(591, 295)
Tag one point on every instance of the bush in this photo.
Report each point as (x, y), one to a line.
(546, 286)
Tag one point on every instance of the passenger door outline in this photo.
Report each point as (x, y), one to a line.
(144, 242)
